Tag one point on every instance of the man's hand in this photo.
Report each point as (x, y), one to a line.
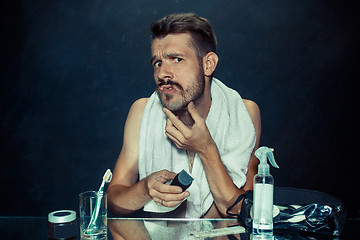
(196, 139)
(164, 194)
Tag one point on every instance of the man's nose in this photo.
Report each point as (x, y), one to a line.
(165, 72)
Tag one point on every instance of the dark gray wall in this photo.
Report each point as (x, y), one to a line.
(71, 70)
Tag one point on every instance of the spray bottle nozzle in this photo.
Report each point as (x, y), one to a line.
(264, 153)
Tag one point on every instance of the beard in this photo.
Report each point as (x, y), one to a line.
(180, 100)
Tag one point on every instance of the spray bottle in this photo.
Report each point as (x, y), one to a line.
(263, 195)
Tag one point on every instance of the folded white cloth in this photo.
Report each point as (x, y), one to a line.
(231, 128)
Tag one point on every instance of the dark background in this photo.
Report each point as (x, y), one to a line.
(70, 71)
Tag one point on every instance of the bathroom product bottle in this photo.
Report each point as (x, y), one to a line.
(263, 195)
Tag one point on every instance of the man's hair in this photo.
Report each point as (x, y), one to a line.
(203, 37)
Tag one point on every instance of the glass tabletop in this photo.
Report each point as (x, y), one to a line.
(153, 228)
(160, 228)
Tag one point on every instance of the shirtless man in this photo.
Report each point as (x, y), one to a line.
(184, 62)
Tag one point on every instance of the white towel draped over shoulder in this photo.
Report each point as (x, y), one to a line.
(231, 128)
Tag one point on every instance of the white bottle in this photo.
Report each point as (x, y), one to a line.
(263, 195)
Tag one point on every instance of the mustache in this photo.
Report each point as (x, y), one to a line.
(170, 82)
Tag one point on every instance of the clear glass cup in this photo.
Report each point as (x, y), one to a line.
(93, 215)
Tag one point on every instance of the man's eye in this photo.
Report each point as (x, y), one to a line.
(177, 59)
(157, 64)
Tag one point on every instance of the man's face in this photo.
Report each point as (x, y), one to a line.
(177, 72)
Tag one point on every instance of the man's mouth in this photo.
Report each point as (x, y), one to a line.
(167, 88)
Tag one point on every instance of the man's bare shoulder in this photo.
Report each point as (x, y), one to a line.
(254, 112)
(252, 108)
(134, 117)
(132, 128)
(139, 105)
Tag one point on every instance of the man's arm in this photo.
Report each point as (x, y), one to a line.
(199, 140)
(254, 113)
(125, 193)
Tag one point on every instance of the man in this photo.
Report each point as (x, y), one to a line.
(191, 122)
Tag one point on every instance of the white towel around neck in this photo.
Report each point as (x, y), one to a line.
(231, 128)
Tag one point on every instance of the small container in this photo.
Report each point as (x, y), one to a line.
(62, 224)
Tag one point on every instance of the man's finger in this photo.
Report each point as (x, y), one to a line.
(170, 125)
(175, 140)
(175, 121)
(165, 175)
(167, 188)
(194, 113)
(172, 200)
(169, 197)
(172, 132)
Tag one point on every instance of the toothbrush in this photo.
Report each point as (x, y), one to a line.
(106, 179)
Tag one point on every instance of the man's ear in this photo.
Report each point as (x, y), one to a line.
(209, 63)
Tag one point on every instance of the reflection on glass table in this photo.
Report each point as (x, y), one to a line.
(172, 228)
(157, 229)
(153, 228)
